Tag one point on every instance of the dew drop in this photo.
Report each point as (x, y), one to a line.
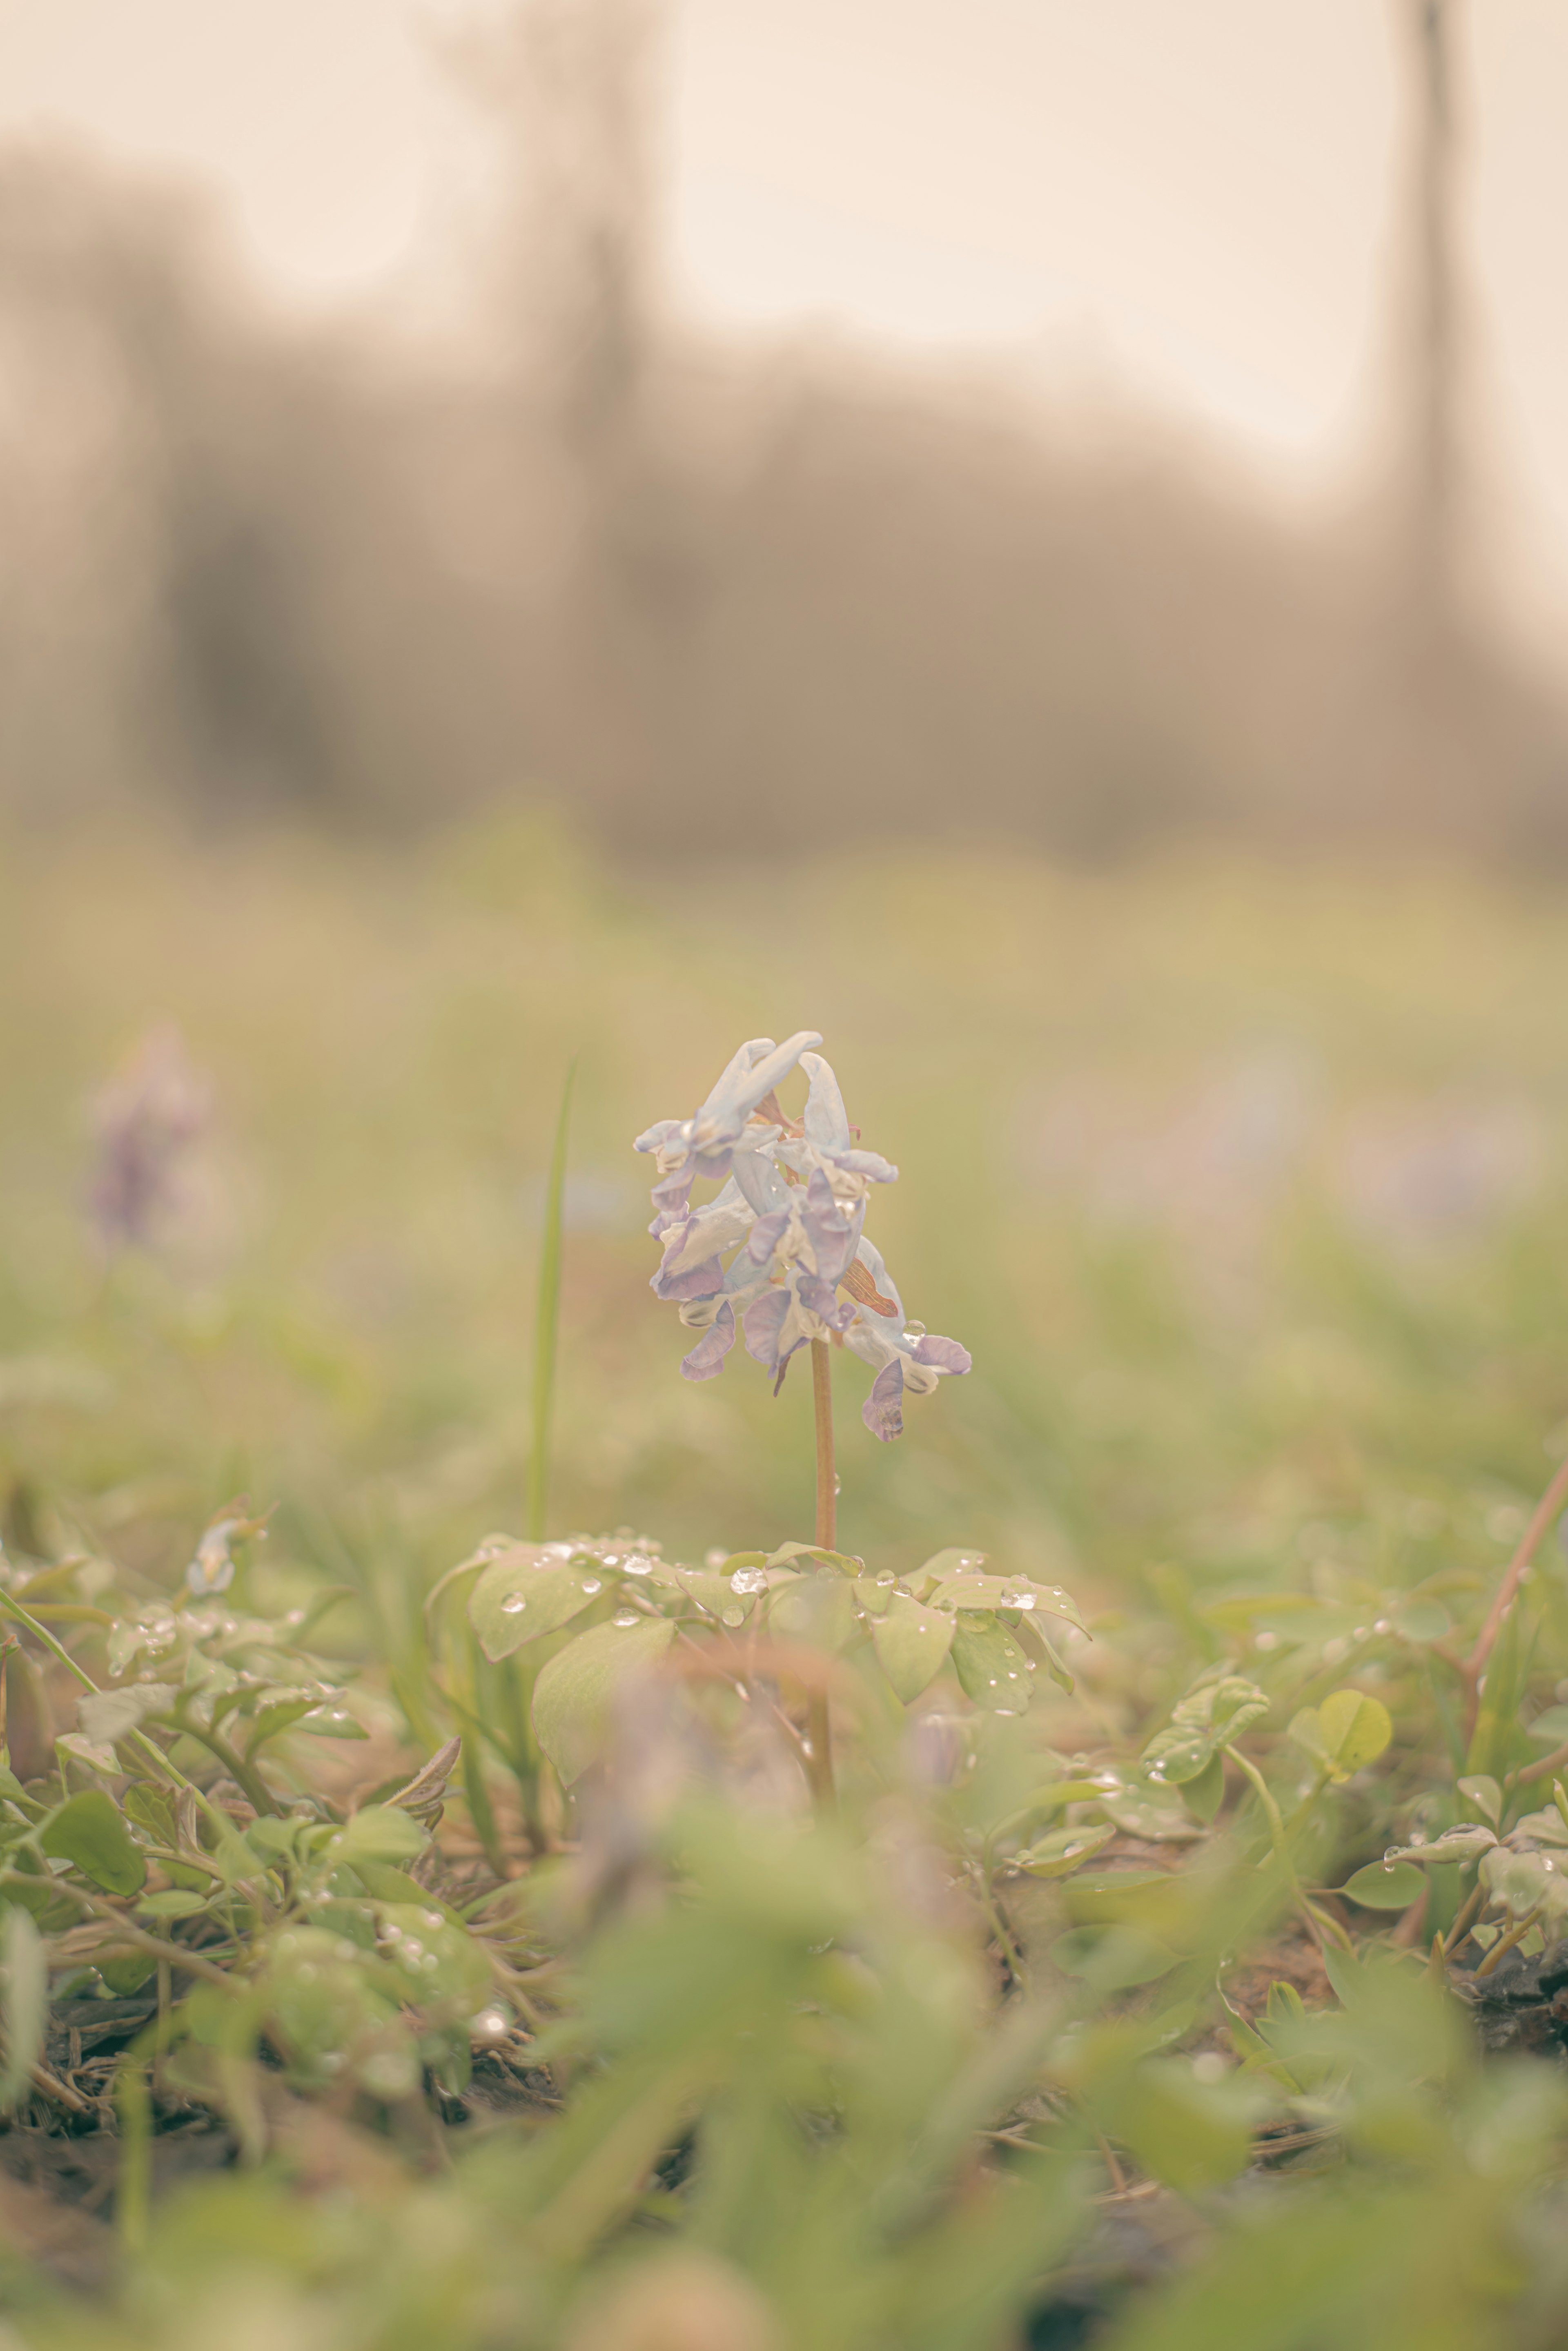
(749, 1579)
(612, 1559)
(838, 1485)
(637, 1562)
(1391, 1855)
(993, 1681)
(591, 1583)
(513, 1604)
(807, 1748)
(1383, 1626)
(732, 1615)
(623, 1617)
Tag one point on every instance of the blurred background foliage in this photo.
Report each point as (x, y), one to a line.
(1243, 1187)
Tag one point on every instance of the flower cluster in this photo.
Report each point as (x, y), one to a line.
(789, 1218)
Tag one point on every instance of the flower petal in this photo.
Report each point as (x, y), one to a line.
(826, 1122)
(706, 1358)
(942, 1354)
(882, 1409)
(765, 1236)
(749, 1079)
(764, 1321)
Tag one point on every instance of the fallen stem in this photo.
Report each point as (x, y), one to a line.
(1547, 1512)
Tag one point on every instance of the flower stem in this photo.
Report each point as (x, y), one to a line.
(818, 1761)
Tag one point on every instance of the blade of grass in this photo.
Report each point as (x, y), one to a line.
(546, 1318)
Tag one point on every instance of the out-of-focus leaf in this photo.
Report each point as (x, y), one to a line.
(1113, 1959)
(111, 1714)
(818, 1610)
(1189, 2134)
(573, 1693)
(177, 1902)
(527, 1592)
(88, 1832)
(1550, 1728)
(379, 1833)
(1523, 1882)
(991, 1666)
(911, 1643)
(1347, 1732)
(26, 2005)
(1385, 1886)
(1204, 1796)
(1423, 1621)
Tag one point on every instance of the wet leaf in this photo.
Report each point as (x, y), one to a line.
(527, 1592)
(1385, 1886)
(991, 1665)
(573, 1694)
(911, 1643)
(1063, 1851)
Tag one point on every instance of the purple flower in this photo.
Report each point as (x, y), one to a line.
(789, 1217)
(145, 1120)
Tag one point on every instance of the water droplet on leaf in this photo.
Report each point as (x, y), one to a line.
(513, 1604)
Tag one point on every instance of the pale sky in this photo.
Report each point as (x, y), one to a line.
(1188, 198)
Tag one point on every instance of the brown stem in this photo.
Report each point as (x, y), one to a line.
(1549, 1508)
(827, 1482)
(1541, 1771)
(818, 1750)
(1505, 1943)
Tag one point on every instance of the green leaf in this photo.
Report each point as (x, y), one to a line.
(1424, 1620)
(26, 2004)
(818, 1610)
(1064, 1850)
(113, 1714)
(991, 1665)
(1550, 1728)
(1357, 1728)
(1008, 1592)
(575, 1688)
(1113, 1959)
(125, 1976)
(837, 1562)
(550, 1596)
(151, 1808)
(1186, 2133)
(1469, 1842)
(1212, 1715)
(911, 1643)
(177, 1902)
(1484, 1794)
(88, 1832)
(1204, 1795)
(378, 1832)
(949, 1562)
(1038, 1643)
(1344, 1734)
(1385, 1886)
(273, 1720)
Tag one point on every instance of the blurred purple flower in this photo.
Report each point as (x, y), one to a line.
(789, 1215)
(145, 1120)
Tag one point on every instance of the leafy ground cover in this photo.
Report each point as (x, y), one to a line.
(1172, 1952)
